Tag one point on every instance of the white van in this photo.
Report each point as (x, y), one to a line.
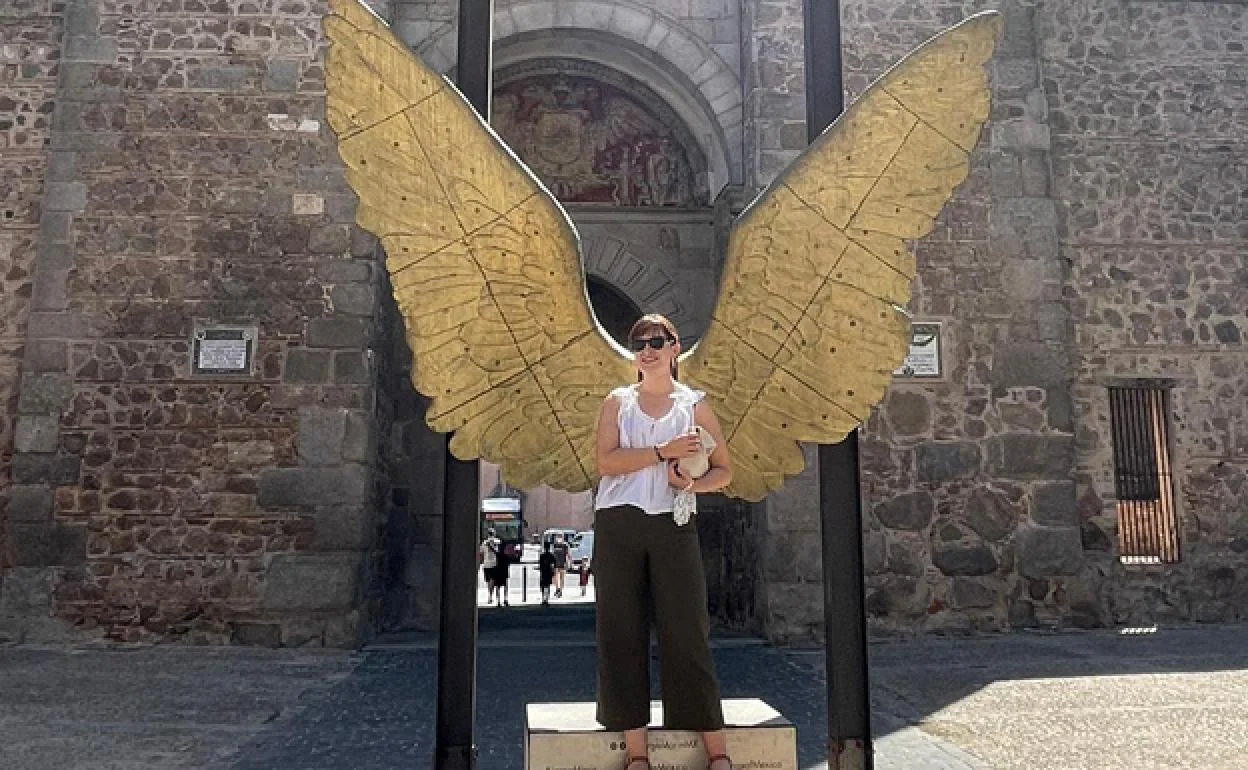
(582, 549)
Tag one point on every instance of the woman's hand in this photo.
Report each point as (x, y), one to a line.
(685, 445)
(675, 477)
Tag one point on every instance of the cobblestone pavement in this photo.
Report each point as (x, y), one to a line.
(1099, 700)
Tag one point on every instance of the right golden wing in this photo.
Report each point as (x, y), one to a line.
(485, 264)
(809, 325)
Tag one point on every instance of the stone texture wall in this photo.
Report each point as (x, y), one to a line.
(30, 52)
(191, 180)
(969, 520)
(1147, 102)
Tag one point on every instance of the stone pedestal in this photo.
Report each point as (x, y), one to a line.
(566, 735)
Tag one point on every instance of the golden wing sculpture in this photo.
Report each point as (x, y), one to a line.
(488, 275)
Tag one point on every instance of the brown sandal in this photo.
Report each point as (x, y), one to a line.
(715, 758)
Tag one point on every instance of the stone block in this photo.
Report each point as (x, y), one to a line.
(36, 433)
(968, 592)
(348, 631)
(44, 545)
(56, 226)
(1022, 456)
(31, 503)
(354, 299)
(303, 632)
(990, 514)
(312, 581)
(960, 559)
(320, 434)
(43, 324)
(311, 487)
(338, 333)
(26, 591)
(256, 634)
(306, 204)
(351, 368)
(344, 271)
(908, 412)
(793, 611)
(345, 527)
(1053, 504)
(45, 393)
(1035, 365)
(306, 367)
(65, 196)
(281, 75)
(947, 461)
(912, 511)
(1049, 551)
(46, 356)
(898, 595)
(357, 441)
(55, 469)
(792, 557)
(330, 239)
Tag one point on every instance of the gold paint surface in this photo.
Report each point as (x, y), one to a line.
(809, 323)
(487, 271)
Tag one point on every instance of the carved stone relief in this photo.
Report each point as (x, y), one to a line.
(595, 136)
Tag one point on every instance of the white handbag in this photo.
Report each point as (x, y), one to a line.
(693, 467)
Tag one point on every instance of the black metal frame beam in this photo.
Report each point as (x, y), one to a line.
(455, 746)
(840, 506)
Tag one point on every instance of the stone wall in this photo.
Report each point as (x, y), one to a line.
(192, 181)
(966, 479)
(1147, 104)
(30, 52)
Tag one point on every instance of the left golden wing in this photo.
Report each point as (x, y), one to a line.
(808, 327)
(484, 263)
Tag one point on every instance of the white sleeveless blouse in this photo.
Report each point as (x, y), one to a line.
(647, 488)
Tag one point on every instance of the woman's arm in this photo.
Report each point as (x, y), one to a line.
(615, 460)
(720, 474)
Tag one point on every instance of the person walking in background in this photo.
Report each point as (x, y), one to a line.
(561, 564)
(506, 556)
(546, 572)
(585, 573)
(487, 556)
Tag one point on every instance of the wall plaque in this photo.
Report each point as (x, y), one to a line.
(223, 350)
(924, 359)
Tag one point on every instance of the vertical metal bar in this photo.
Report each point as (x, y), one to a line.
(1124, 470)
(1165, 493)
(455, 747)
(1135, 424)
(1148, 471)
(844, 606)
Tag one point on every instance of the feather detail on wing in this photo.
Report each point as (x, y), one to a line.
(809, 325)
(484, 263)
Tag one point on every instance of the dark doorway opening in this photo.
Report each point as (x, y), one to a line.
(616, 312)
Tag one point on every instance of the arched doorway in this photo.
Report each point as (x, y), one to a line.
(615, 311)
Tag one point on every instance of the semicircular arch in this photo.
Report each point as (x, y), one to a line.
(694, 80)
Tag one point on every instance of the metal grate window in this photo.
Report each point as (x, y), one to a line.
(1147, 524)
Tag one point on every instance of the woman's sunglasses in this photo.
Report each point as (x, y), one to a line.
(656, 342)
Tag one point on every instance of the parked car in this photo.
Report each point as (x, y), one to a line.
(582, 549)
(549, 535)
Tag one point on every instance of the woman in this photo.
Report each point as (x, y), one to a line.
(546, 572)
(642, 558)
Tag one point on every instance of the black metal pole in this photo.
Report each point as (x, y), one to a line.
(455, 747)
(840, 506)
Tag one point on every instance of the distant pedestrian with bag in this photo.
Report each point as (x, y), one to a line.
(487, 556)
(561, 564)
(546, 572)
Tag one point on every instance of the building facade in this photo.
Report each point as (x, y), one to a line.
(209, 434)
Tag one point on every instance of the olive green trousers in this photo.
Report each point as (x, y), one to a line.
(647, 569)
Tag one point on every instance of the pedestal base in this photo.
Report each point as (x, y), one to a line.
(566, 736)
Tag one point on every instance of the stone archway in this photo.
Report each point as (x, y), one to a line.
(684, 70)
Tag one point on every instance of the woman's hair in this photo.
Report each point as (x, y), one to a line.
(652, 322)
